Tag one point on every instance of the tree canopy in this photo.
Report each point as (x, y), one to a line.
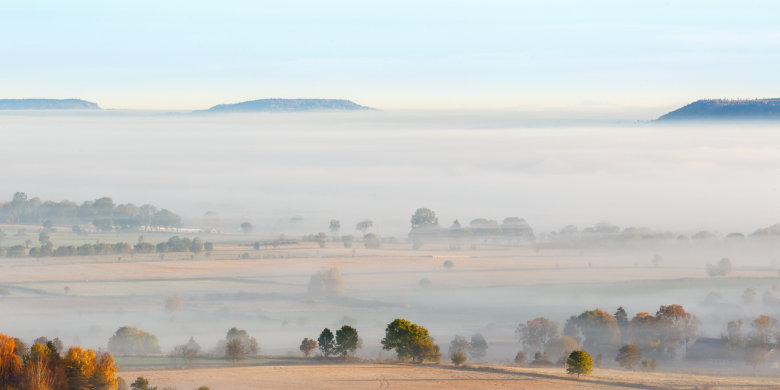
(410, 341)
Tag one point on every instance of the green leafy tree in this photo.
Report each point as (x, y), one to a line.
(580, 363)
(141, 383)
(410, 341)
(327, 343)
(628, 356)
(347, 340)
(247, 227)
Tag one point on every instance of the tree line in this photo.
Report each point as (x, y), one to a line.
(102, 213)
(44, 366)
(47, 249)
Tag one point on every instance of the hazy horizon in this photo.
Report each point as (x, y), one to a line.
(383, 165)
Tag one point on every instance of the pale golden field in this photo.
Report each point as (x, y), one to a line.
(489, 290)
(429, 376)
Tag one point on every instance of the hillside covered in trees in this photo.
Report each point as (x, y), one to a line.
(292, 105)
(47, 104)
(724, 109)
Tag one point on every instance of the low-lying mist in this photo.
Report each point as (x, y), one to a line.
(270, 167)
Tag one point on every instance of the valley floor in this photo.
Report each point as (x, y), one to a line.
(429, 376)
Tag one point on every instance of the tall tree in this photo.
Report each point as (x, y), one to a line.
(327, 342)
(409, 341)
(347, 340)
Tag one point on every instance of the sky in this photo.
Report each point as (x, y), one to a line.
(639, 57)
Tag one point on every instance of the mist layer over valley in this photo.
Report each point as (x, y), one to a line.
(382, 165)
(520, 207)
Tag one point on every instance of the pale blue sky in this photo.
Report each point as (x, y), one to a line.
(610, 55)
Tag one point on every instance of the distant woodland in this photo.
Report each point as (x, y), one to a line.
(102, 213)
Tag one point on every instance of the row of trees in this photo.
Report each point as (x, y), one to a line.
(345, 342)
(47, 249)
(667, 334)
(43, 366)
(102, 213)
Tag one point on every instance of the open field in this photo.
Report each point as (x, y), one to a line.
(409, 376)
(488, 290)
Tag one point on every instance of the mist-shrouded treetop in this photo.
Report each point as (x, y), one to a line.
(364, 225)
(535, 333)
(247, 227)
(131, 340)
(593, 328)
(424, 218)
(334, 227)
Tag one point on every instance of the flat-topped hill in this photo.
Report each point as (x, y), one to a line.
(722, 109)
(47, 104)
(285, 105)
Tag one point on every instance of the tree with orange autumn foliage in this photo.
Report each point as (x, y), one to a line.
(10, 363)
(42, 368)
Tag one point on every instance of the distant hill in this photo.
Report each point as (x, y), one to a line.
(285, 105)
(721, 109)
(47, 104)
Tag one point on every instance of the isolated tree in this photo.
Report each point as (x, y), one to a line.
(749, 296)
(234, 350)
(334, 227)
(424, 218)
(43, 237)
(478, 346)
(327, 343)
(364, 225)
(141, 383)
(173, 304)
(535, 333)
(131, 340)
(347, 340)
(409, 341)
(243, 344)
(628, 356)
(185, 353)
(458, 345)
(458, 357)
(308, 345)
(723, 268)
(580, 363)
(520, 357)
(326, 283)
(247, 227)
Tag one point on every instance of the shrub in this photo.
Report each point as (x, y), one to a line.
(458, 357)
